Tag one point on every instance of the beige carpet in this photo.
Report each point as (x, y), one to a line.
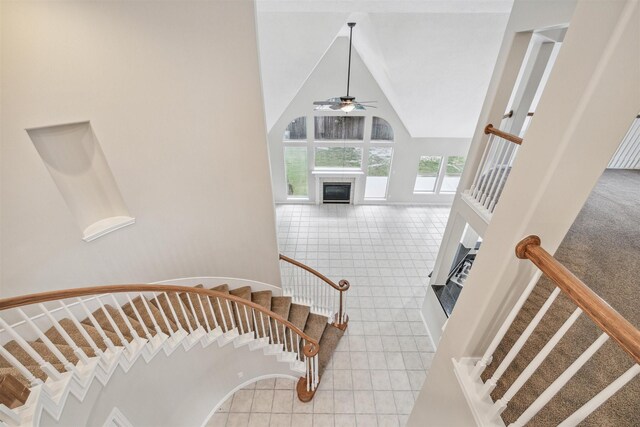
(602, 248)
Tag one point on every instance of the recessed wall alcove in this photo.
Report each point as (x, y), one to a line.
(72, 154)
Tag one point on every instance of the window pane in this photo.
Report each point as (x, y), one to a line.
(338, 157)
(339, 128)
(378, 172)
(455, 164)
(381, 130)
(428, 169)
(295, 162)
(296, 130)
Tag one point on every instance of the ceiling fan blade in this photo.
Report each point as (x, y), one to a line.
(365, 102)
(326, 102)
(368, 106)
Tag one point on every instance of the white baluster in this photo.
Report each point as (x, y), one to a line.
(173, 311)
(582, 413)
(513, 352)
(82, 330)
(162, 314)
(488, 355)
(224, 318)
(239, 320)
(474, 186)
(33, 380)
(193, 312)
(46, 367)
(139, 318)
(501, 404)
(231, 315)
(503, 150)
(184, 313)
(264, 331)
(96, 325)
(204, 314)
(560, 382)
(124, 316)
(113, 324)
(67, 338)
(246, 316)
(213, 313)
(46, 341)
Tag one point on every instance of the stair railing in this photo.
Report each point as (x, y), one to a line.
(166, 314)
(628, 154)
(612, 323)
(310, 287)
(494, 168)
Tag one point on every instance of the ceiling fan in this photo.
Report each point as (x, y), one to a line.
(344, 103)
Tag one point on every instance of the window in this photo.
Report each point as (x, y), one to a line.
(296, 171)
(378, 172)
(428, 170)
(339, 157)
(296, 130)
(455, 164)
(381, 130)
(331, 128)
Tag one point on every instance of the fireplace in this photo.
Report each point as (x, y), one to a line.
(336, 192)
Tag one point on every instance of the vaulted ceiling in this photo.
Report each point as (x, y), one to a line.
(433, 59)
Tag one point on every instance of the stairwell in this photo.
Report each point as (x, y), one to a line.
(56, 351)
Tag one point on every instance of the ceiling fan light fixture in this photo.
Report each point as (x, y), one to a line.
(346, 103)
(348, 107)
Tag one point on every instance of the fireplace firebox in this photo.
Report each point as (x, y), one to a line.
(336, 192)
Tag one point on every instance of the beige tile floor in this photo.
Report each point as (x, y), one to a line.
(386, 252)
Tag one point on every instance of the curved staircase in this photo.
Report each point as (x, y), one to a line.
(56, 343)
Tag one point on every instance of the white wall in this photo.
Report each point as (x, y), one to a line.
(168, 391)
(172, 90)
(328, 80)
(592, 95)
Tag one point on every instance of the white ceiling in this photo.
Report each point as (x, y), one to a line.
(433, 59)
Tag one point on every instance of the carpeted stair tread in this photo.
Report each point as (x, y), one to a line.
(282, 307)
(201, 307)
(298, 315)
(69, 326)
(262, 298)
(102, 319)
(180, 315)
(601, 248)
(15, 373)
(315, 326)
(221, 308)
(147, 318)
(242, 312)
(48, 355)
(28, 362)
(328, 344)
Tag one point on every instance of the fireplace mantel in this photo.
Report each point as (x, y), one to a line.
(338, 175)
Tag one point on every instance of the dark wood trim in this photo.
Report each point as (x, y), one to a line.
(342, 286)
(489, 129)
(602, 314)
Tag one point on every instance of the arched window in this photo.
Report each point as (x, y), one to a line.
(296, 130)
(381, 130)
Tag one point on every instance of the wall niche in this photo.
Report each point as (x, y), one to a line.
(72, 154)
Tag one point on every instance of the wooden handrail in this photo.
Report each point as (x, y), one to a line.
(602, 314)
(342, 285)
(489, 129)
(19, 301)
